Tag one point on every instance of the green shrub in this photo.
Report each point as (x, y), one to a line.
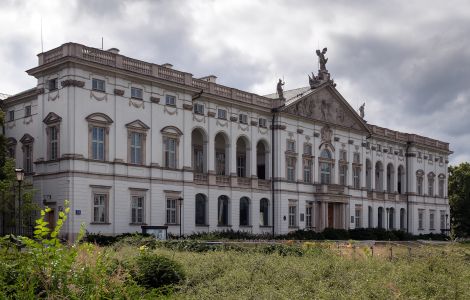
(155, 271)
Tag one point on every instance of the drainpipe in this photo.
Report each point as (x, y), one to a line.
(273, 111)
(407, 188)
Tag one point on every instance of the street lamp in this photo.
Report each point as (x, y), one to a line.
(180, 200)
(19, 178)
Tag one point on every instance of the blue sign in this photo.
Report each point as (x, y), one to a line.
(78, 212)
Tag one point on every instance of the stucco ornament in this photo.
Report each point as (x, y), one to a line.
(326, 134)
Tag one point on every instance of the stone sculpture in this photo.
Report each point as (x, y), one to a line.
(280, 91)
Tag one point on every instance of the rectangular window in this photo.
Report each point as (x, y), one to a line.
(53, 84)
(262, 122)
(356, 158)
(97, 143)
(307, 170)
(430, 157)
(171, 212)
(220, 163)
(343, 155)
(136, 148)
(432, 213)
(243, 118)
(170, 152)
(325, 173)
(291, 146)
(198, 160)
(357, 177)
(222, 114)
(292, 214)
(137, 203)
(54, 142)
(343, 173)
(430, 186)
(241, 163)
(170, 100)
(98, 85)
(11, 115)
(27, 111)
(419, 185)
(441, 187)
(291, 168)
(199, 108)
(100, 211)
(420, 219)
(307, 149)
(443, 219)
(28, 158)
(309, 216)
(136, 93)
(357, 216)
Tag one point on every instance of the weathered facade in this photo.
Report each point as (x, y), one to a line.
(125, 140)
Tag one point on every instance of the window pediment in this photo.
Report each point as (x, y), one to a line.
(27, 139)
(420, 173)
(11, 141)
(52, 118)
(99, 118)
(137, 125)
(171, 130)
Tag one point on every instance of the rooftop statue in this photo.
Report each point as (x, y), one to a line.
(322, 59)
(280, 91)
(361, 110)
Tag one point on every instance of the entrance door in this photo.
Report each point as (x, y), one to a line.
(331, 219)
(50, 218)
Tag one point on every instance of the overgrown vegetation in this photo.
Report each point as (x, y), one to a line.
(459, 199)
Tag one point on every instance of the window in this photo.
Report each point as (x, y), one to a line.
(291, 168)
(262, 122)
(309, 215)
(27, 111)
(443, 219)
(223, 211)
(441, 159)
(431, 184)
(171, 210)
(136, 93)
(419, 182)
(357, 177)
(379, 148)
(11, 147)
(402, 218)
(357, 216)
(100, 208)
(222, 114)
(53, 142)
(169, 148)
(11, 115)
(198, 159)
(400, 152)
(343, 155)
(380, 217)
(97, 143)
(98, 85)
(431, 219)
(291, 146)
(53, 84)
(244, 211)
(420, 219)
(390, 150)
(307, 164)
(419, 154)
(356, 158)
(201, 210)
(307, 149)
(137, 209)
(241, 163)
(243, 118)
(442, 180)
(136, 148)
(292, 214)
(198, 108)
(28, 158)
(430, 157)
(170, 100)
(325, 167)
(343, 173)
(220, 163)
(370, 212)
(264, 212)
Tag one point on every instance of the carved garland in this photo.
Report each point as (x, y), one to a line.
(72, 82)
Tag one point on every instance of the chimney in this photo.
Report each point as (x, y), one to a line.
(114, 50)
(210, 78)
(168, 66)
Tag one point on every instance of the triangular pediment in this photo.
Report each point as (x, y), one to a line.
(137, 124)
(327, 105)
(52, 118)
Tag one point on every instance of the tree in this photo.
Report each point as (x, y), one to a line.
(459, 199)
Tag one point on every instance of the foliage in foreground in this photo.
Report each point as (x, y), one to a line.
(459, 199)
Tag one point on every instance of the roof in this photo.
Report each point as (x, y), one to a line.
(291, 95)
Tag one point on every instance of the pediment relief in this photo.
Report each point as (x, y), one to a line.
(171, 130)
(137, 125)
(11, 141)
(52, 118)
(99, 118)
(327, 105)
(27, 139)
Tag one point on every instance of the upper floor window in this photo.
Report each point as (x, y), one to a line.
(11, 115)
(136, 93)
(307, 164)
(290, 146)
(27, 111)
(419, 182)
(27, 142)
(170, 100)
(53, 121)
(198, 108)
(11, 147)
(222, 114)
(53, 84)
(291, 161)
(356, 158)
(98, 136)
(356, 177)
(262, 122)
(307, 149)
(419, 154)
(136, 148)
(243, 118)
(98, 85)
(136, 141)
(379, 147)
(171, 136)
(97, 143)
(325, 167)
(343, 173)
(430, 157)
(442, 180)
(343, 155)
(431, 184)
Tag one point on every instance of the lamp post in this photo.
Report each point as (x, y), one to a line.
(19, 178)
(180, 201)
(387, 217)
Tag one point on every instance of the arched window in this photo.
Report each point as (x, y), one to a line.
(390, 175)
(244, 211)
(402, 218)
(401, 180)
(431, 184)
(380, 217)
(419, 182)
(222, 147)
(442, 180)
(325, 167)
(371, 217)
(368, 174)
(223, 211)
(242, 157)
(199, 145)
(201, 209)
(379, 176)
(391, 218)
(262, 161)
(264, 212)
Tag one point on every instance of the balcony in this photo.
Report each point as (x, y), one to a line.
(222, 180)
(244, 181)
(329, 188)
(200, 178)
(264, 184)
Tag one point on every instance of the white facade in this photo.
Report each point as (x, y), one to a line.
(123, 139)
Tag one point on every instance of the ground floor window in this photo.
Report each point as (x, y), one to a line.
(137, 214)
(420, 219)
(264, 212)
(309, 215)
(244, 211)
(292, 214)
(357, 216)
(201, 209)
(223, 211)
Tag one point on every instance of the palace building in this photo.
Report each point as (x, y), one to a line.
(133, 143)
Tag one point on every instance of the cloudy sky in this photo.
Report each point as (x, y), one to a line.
(409, 61)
